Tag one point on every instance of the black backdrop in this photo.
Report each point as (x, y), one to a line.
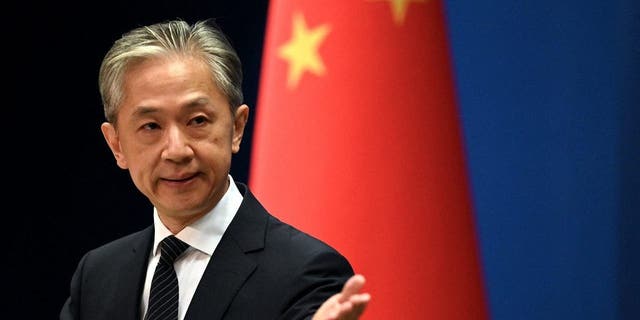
(65, 193)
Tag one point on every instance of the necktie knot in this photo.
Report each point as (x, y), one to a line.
(171, 248)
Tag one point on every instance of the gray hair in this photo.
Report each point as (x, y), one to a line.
(202, 40)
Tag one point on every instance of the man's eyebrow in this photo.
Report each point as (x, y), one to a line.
(144, 110)
(199, 102)
(141, 111)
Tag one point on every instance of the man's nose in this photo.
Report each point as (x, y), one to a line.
(177, 145)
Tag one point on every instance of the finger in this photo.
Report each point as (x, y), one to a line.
(357, 311)
(357, 305)
(353, 309)
(351, 287)
(330, 309)
(361, 298)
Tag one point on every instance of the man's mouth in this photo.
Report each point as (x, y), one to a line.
(180, 179)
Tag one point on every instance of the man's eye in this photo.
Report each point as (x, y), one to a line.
(150, 126)
(198, 120)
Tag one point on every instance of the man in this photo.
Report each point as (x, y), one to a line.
(173, 103)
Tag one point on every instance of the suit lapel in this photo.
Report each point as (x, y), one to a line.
(127, 301)
(230, 264)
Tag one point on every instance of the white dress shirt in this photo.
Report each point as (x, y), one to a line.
(203, 237)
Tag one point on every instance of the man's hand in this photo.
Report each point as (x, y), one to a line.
(346, 305)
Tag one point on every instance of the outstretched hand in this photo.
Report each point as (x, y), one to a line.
(349, 304)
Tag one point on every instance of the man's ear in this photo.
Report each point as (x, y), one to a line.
(111, 136)
(239, 123)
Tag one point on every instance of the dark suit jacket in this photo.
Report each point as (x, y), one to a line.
(262, 269)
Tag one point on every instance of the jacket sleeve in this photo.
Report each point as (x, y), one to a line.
(320, 278)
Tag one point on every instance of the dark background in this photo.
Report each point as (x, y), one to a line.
(549, 96)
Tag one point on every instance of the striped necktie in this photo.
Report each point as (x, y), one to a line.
(163, 297)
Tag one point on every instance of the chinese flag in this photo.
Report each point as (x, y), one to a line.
(357, 141)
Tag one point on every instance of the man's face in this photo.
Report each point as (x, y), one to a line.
(176, 134)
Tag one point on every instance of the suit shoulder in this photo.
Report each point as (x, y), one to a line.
(298, 240)
(125, 244)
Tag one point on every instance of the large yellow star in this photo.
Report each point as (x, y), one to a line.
(302, 50)
(399, 9)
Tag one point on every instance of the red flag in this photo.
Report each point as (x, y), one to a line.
(357, 141)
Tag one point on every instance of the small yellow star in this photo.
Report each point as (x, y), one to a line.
(399, 9)
(302, 50)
